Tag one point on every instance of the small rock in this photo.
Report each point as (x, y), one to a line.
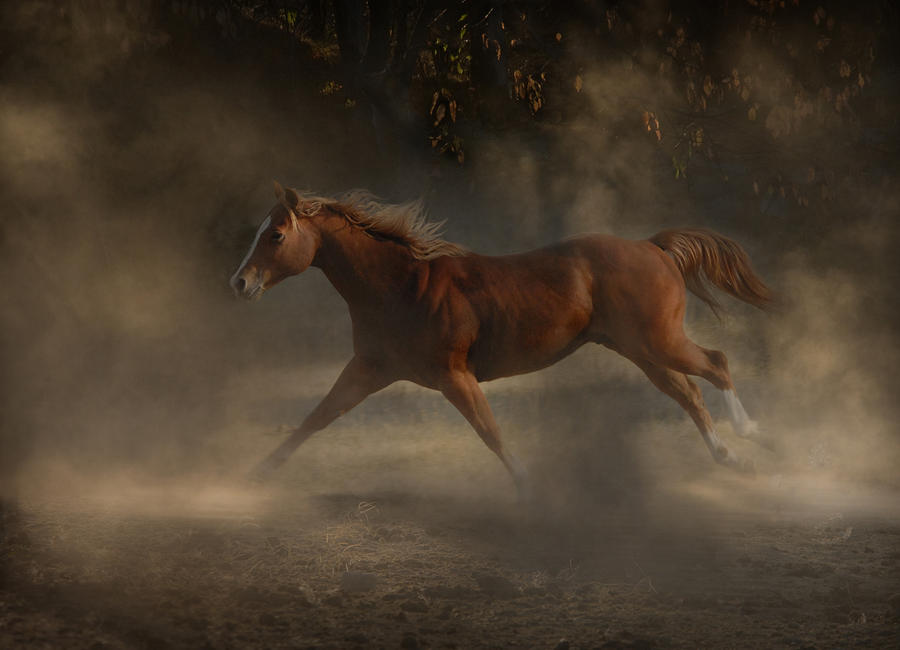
(359, 637)
(562, 645)
(267, 619)
(409, 642)
(356, 582)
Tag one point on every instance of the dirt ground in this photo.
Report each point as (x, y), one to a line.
(397, 529)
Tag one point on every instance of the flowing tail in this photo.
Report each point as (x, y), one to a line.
(699, 252)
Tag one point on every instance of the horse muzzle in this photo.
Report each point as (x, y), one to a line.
(247, 285)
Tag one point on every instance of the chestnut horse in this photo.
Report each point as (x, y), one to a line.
(428, 311)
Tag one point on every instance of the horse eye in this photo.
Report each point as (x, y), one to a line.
(277, 237)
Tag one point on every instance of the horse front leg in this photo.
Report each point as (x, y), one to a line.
(462, 390)
(359, 379)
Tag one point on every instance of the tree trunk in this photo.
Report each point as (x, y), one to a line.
(379, 47)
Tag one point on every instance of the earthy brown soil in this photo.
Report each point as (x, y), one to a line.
(393, 569)
(397, 528)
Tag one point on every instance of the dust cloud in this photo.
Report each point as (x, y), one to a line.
(137, 392)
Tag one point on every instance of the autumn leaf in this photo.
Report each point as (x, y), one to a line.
(439, 114)
(819, 15)
(844, 69)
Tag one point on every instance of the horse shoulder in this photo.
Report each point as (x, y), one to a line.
(448, 302)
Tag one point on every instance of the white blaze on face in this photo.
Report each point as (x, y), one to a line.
(262, 228)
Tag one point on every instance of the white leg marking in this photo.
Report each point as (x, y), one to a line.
(262, 228)
(518, 470)
(716, 447)
(743, 425)
(520, 475)
(722, 454)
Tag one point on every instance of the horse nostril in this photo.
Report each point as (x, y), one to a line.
(240, 284)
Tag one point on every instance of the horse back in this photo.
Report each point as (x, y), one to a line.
(514, 313)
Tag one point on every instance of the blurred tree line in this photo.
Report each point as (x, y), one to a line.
(774, 92)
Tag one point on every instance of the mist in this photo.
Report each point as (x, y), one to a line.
(137, 392)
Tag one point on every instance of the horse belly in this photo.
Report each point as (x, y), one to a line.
(525, 340)
(488, 367)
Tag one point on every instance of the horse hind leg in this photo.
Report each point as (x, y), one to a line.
(743, 425)
(684, 391)
(691, 359)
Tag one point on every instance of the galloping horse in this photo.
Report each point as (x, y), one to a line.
(428, 311)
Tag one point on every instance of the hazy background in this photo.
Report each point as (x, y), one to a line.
(138, 148)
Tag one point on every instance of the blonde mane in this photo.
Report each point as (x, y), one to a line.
(406, 223)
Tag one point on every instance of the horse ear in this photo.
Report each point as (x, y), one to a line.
(292, 199)
(279, 191)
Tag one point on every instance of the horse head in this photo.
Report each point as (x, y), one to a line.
(285, 245)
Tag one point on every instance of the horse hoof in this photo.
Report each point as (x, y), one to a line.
(524, 495)
(750, 429)
(752, 432)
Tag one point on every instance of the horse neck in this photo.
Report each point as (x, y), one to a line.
(364, 270)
